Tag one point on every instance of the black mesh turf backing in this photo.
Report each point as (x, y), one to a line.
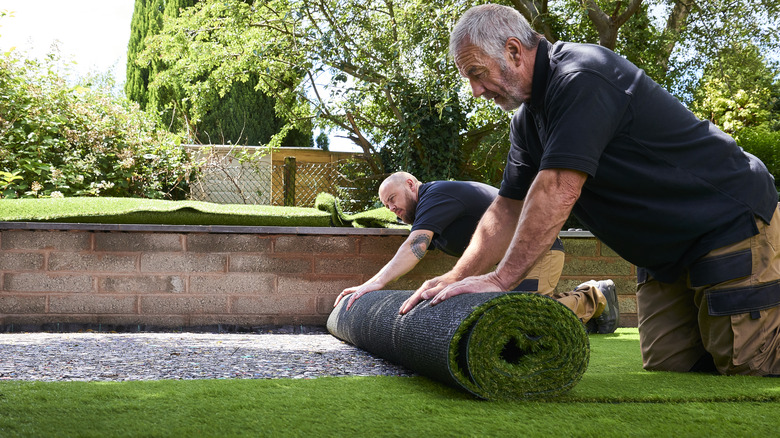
(495, 345)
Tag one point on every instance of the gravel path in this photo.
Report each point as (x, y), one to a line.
(154, 356)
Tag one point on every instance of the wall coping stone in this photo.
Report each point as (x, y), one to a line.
(225, 229)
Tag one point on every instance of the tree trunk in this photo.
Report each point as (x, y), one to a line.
(536, 12)
(609, 25)
(675, 23)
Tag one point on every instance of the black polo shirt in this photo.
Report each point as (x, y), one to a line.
(664, 187)
(452, 210)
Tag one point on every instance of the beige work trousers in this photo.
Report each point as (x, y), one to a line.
(586, 301)
(725, 304)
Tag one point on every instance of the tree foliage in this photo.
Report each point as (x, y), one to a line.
(735, 91)
(239, 114)
(64, 140)
(378, 70)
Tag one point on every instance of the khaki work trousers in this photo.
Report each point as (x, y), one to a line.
(726, 304)
(586, 301)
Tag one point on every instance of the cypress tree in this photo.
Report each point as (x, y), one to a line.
(137, 77)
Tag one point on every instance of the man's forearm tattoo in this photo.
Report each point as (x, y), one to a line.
(420, 245)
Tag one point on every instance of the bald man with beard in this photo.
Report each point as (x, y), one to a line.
(444, 216)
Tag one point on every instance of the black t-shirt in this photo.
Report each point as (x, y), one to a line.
(664, 187)
(452, 210)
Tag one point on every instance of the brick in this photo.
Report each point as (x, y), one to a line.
(315, 244)
(33, 240)
(233, 284)
(596, 268)
(408, 282)
(607, 251)
(91, 304)
(627, 304)
(434, 263)
(141, 322)
(142, 284)
(381, 244)
(350, 265)
(133, 242)
(229, 320)
(138, 322)
(574, 247)
(66, 261)
(329, 287)
(184, 262)
(625, 286)
(183, 305)
(22, 304)
(325, 305)
(256, 321)
(279, 305)
(47, 283)
(270, 264)
(48, 322)
(21, 261)
(230, 243)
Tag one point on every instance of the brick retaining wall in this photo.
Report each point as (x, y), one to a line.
(125, 277)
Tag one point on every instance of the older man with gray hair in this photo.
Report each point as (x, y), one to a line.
(593, 135)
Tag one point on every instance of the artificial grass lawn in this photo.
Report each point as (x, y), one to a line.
(615, 398)
(155, 211)
(326, 213)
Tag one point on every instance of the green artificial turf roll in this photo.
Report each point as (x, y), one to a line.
(498, 346)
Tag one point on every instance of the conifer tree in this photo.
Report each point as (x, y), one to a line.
(242, 116)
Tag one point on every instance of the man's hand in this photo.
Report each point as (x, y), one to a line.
(357, 291)
(428, 290)
(479, 284)
(440, 288)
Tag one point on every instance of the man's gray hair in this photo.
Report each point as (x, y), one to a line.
(488, 27)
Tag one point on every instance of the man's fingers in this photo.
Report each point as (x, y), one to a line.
(447, 292)
(343, 294)
(410, 303)
(422, 294)
(354, 297)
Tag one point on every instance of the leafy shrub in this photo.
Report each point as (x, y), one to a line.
(764, 143)
(62, 140)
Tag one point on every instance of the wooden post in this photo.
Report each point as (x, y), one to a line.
(289, 181)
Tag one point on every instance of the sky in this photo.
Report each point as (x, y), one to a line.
(92, 33)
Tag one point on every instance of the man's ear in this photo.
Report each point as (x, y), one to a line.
(513, 51)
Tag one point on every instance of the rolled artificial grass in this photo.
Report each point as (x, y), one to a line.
(497, 346)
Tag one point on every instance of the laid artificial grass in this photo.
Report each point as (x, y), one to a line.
(375, 218)
(152, 211)
(615, 398)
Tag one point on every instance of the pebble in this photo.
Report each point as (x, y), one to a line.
(183, 356)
